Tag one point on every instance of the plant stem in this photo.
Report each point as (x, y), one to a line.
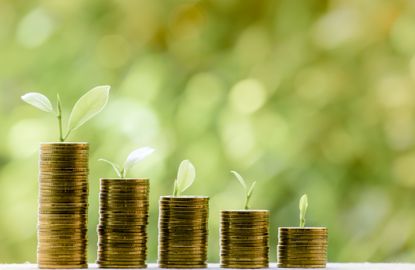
(249, 194)
(302, 222)
(175, 189)
(303, 209)
(59, 116)
(246, 207)
(67, 135)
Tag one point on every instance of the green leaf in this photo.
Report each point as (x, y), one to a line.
(240, 179)
(303, 209)
(185, 176)
(114, 166)
(135, 157)
(175, 190)
(251, 189)
(248, 195)
(59, 116)
(88, 106)
(38, 100)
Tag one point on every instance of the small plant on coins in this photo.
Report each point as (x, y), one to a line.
(303, 209)
(185, 177)
(87, 106)
(133, 158)
(248, 189)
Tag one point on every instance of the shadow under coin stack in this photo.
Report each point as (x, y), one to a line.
(63, 205)
(302, 247)
(244, 239)
(183, 231)
(122, 231)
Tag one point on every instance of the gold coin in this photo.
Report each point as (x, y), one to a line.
(183, 231)
(63, 204)
(244, 239)
(122, 236)
(302, 247)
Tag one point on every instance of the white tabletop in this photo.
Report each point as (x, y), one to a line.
(330, 266)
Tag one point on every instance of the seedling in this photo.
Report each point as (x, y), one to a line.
(185, 177)
(303, 209)
(248, 191)
(87, 106)
(133, 158)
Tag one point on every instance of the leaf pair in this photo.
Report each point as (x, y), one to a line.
(133, 158)
(248, 191)
(89, 105)
(185, 177)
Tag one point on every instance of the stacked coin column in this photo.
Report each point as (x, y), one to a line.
(122, 229)
(63, 205)
(183, 231)
(244, 239)
(302, 247)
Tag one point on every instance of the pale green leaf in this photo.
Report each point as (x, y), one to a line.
(175, 190)
(240, 179)
(251, 189)
(136, 156)
(303, 209)
(38, 100)
(185, 175)
(88, 106)
(303, 203)
(114, 166)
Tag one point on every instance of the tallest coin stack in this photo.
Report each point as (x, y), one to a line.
(63, 205)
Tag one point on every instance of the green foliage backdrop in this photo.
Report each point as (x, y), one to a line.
(309, 97)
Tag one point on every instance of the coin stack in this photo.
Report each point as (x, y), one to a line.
(122, 229)
(63, 205)
(183, 231)
(244, 239)
(302, 247)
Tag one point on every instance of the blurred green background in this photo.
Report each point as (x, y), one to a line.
(309, 97)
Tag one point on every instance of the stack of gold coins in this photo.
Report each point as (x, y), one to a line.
(244, 239)
(302, 247)
(122, 229)
(183, 231)
(63, 205)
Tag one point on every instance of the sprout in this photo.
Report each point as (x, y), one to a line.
(185, 177)
(248, 191)
(89, 105)
(303, 209)
(133, 158)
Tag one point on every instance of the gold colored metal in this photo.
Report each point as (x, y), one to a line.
(63, 206)
(244, 239)
(183, 231)
(302, 247)
(122, 229)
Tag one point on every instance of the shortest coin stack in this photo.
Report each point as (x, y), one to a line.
(244, 239)
(302, 247)
(183, 229)
(122, 230)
